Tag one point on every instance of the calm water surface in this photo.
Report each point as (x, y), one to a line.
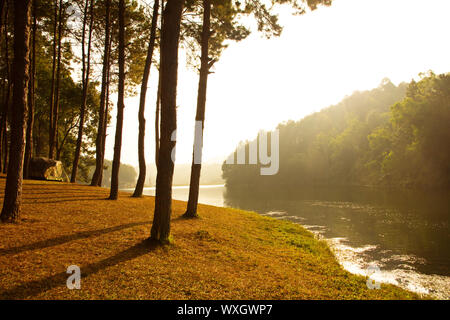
(210, 194)
(404, 233)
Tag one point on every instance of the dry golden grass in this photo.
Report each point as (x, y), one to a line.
(225, 254)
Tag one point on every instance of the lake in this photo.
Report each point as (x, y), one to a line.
(209, 194)
(403, 233)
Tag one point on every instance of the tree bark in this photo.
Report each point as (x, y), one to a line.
(58, 80)
(6, 100)
(31, 99)
(157, 121)
(5, 141)
(2, 6)
(64, 139)
(105, 123)
(169, 67)
(105, 126)
(114, 192)
(13, 190)
(85, 81)
(141, 117)
(51, 136)
(194, 186)
(158, 99)
(101, 114)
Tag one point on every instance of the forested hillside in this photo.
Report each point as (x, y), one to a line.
(391, 135)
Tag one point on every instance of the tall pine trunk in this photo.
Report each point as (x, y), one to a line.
(105, 125)
(158, 99)
(141, 139)
(31, 99)
(96, 181)
(114, 192)
(58, 78)
(169, 68)
(200, 116)
(157, 113)
(2, 6)
(85, 81)
(13, 190)
(51, 136)
(5, 140)
(6, 100)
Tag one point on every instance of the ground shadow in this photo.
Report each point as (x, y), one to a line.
(60, 201)
(33, 288)
(65, 197)
(60, 191)
(71, 237)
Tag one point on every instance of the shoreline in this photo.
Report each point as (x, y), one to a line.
(349, 257)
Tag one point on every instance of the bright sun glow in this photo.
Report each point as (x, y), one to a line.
(320, 58)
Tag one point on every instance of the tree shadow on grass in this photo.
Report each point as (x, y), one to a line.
(36, 287)
(64, 196)
(71, 237)
(78, 199)
(182, 217)
(68, 196)
(61, 191)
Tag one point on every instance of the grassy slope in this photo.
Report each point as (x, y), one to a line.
(226, 254)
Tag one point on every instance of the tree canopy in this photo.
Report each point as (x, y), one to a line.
(391, 135)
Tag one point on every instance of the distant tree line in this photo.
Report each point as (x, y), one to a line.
(389, 136)
(127, 174)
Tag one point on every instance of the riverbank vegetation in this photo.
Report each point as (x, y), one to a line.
(226, 254)
(389, 136)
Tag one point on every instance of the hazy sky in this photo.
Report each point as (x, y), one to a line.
(320, 58)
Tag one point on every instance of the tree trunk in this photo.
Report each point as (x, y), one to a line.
(13, 189)
(2, 6)
(64, 139)
(101, 114)
(85, 81)
(6, 100)
(58, 79)
(120, 106)
(105, 126)
(169, 67)
(5, 141)
(38, 140)
(51, 136)
(158, 99)
(141, 140)
(157, 112)
(31, 99)
(194, 186)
